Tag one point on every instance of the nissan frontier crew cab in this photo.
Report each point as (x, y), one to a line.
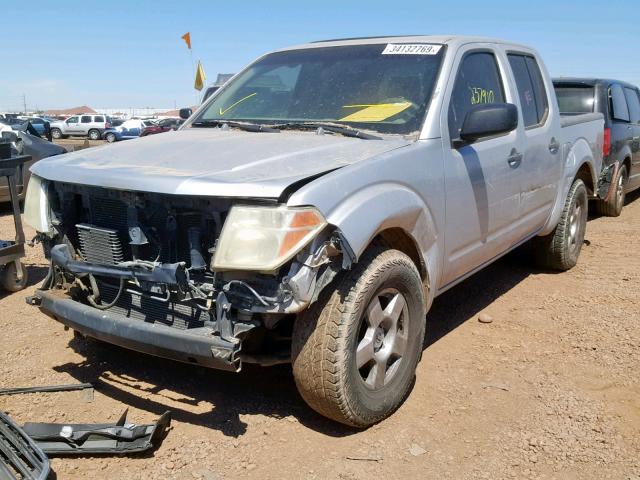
(312, 209)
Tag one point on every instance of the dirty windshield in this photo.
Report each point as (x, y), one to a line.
(381, 87)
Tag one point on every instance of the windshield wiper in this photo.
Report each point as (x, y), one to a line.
(329, 127)
(247, 127)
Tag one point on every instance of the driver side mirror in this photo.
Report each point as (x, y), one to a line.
(489, 119)
(185, 113)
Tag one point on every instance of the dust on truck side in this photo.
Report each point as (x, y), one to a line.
(313, 208)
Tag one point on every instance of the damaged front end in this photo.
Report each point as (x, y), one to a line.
(196, 279)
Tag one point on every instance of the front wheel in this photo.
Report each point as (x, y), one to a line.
(110, 138)
(355, 350)
(561, 248)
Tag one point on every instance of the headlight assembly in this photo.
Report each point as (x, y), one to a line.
(264, 238)
(36, 205)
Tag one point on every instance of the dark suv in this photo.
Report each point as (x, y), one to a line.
(619, 102)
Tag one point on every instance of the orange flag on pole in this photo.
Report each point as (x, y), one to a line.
(187, 38)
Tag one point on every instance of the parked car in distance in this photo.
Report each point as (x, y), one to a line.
(126, 131)
(160, 126)
(85, 125)
(38, 124)
(619, 102)
(290, 220)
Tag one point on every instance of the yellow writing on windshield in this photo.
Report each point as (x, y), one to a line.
(480, 95)
(375, 112)
(222, 112)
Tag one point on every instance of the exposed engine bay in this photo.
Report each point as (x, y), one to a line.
(149, 257)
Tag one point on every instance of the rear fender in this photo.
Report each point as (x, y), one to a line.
(579, 156)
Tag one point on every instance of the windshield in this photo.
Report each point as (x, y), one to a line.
(376, 87)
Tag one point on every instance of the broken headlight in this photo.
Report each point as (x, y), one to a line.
(36, 205)
(264, 238)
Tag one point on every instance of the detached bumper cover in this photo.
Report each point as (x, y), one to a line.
(196, 345)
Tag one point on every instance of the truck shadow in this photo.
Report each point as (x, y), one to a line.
(220, 400)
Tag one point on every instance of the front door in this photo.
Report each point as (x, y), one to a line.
(73, 125)
(482, 179)
(633, 101)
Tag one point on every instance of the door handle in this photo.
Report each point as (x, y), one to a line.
(554, 146)
(514, 159)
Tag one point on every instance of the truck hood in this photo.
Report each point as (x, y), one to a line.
(212, 161)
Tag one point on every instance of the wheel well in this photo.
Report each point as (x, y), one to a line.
(584, 174)
(400, 240)
(627, 163)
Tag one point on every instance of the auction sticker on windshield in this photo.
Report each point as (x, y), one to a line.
(411, 49)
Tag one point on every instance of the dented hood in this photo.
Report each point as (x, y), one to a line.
(212, 161)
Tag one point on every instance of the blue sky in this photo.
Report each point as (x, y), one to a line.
(117, 54)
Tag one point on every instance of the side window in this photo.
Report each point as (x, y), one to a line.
(634, 104)
(99, 119)
(477, 82)
(72, 120)
(85, 119)
(525, 89)
(619, 110)
(539, 89)
(531, 89)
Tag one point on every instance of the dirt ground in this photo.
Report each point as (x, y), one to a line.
(549, 389)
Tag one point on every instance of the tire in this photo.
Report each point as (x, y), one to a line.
(561, 248)
(327, 336)
(110, 137)
(613, 208)
(9, 280)
(56, 133)
(94, 135)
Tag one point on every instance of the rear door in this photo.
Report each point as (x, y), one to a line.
(542, 162)
(633, 102)
(86, 122)
(482, 183)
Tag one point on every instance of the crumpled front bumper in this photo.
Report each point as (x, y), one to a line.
(199, 346)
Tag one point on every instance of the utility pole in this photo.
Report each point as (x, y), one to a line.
(24, 103)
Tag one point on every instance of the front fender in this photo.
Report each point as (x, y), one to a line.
(379, 207)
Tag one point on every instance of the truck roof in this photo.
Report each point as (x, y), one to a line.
(452, 40)
(590, 81)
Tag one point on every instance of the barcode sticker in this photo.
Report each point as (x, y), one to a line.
(411, 49)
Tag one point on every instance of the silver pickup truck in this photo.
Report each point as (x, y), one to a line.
(313, 208)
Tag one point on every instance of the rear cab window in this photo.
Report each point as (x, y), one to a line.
(575, 99)
(85, 119)
(99, 119)
(531, 90)
(618, 104)
(478, 81)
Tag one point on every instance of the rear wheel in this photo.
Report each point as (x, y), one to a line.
(613, 207)
(355, 350)
(56, 133)
(94, 134)
(560, 249)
